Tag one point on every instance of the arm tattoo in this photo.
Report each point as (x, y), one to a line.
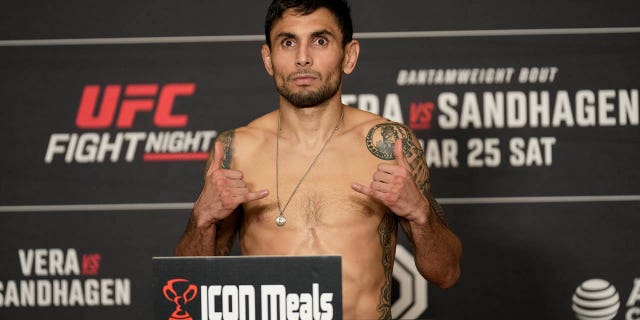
(224, 241)
(381, 138)
(380, 141)
(435, 207)
(404, 224)
(227, 141)
(386, 230)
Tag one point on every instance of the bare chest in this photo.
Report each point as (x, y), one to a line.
(318, 195)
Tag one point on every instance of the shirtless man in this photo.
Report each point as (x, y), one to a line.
(342, 178)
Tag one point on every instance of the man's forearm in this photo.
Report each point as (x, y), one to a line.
(437, 253)
(197, 240)
(437, 249)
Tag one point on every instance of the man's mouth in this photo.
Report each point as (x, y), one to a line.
(303, 79)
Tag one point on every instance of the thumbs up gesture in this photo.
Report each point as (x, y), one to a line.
(224, 190)
(394, 186)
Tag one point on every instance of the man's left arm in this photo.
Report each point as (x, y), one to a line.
(404, 187)
(437, 248)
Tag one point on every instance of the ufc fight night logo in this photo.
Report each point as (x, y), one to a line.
(120, 108)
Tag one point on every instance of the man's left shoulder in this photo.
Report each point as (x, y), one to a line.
(380, 134)
(389, 129)
(365, 121)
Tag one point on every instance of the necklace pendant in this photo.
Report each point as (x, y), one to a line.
(280, 220)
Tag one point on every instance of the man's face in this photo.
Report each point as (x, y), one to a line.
(306, 57)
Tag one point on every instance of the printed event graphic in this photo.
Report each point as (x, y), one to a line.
(528, 114)
(112, 106)
(62, 278)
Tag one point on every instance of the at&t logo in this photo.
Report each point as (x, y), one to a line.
(597, 299)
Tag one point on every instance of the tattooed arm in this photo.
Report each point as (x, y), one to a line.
(404, 188)
(213, 224)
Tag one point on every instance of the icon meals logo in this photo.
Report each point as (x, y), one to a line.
(596, 299)
(180, 298)
(117, 107)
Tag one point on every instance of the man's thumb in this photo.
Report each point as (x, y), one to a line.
(218, 154)
(399, 154)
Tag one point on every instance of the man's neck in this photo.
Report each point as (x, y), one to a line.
(310, 125)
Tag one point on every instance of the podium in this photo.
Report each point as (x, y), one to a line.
(247, 288)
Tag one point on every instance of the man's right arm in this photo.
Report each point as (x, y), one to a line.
(212, 223)
(214, 240)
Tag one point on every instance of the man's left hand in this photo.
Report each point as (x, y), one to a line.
(394, 186)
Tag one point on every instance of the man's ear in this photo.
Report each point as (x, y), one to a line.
(351, 53)
(266, 59)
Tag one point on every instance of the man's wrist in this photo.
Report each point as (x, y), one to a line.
(201, 223)
(421, 214)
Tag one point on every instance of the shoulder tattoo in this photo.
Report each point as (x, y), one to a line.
(226, 138)
(380, 141)
(381, 138)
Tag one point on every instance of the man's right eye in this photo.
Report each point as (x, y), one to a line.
(288, 43)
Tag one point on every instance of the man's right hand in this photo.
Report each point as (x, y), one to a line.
(224, 190)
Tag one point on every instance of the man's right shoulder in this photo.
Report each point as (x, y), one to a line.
(256, 132)
(242, 141)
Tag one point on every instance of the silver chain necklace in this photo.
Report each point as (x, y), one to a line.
(281, 219)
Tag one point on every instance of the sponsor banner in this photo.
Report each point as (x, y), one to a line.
(120, 19)
(534, 256)
(94, 114)
(265, 288)
(67, 291)
(482, 115)
(96, 123)
(82, 265)
(78, 264)
(535, 112)
(507, 116)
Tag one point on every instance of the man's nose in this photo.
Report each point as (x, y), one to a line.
(303, 58)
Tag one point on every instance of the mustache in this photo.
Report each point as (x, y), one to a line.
(304, 72)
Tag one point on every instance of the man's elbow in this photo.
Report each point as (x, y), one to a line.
(449, 279)
(451, 270)
(180, 250)
(444, 274)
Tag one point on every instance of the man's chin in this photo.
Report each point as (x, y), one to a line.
(303, 104)
(306, 99)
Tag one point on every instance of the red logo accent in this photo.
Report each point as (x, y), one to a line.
(179, 300)
(91, 264)
(137, 98)
(184, 156)
(420, 115)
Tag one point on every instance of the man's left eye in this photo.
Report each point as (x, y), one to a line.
(321, 41)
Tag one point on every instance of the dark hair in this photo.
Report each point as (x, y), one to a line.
(339, 8)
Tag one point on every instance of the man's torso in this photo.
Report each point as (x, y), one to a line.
(324, 216)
